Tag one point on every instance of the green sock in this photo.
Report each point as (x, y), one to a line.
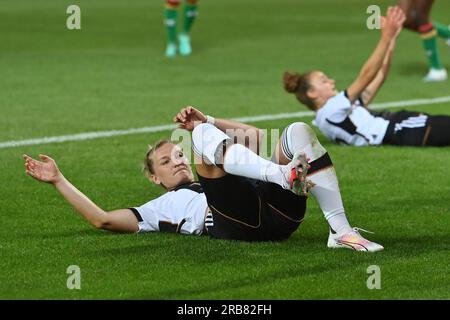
(170, 19)
(443, 30)
(190, 12)
(430, 45)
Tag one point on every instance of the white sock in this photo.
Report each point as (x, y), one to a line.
(205, 140)
(241, 161)
(328, 195)
(299, 136)
(238, 160)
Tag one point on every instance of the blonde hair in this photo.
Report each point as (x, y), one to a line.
(299, 84)
(148, 162)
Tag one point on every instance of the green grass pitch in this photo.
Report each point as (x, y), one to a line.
(112, 74)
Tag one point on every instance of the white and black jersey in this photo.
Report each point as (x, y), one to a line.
(344, 122)
(181, 210)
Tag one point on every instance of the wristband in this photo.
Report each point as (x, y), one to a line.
(210, 120)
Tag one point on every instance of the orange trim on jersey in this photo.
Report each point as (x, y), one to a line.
(425, 138)
(284, 215)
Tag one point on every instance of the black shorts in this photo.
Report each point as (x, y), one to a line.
(435, 132)
(247, 210)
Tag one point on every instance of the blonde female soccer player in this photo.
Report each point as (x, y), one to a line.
(241, 196)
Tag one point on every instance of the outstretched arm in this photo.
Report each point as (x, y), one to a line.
(122, 220)
(189, 117)
(372, 89)
(391, 27)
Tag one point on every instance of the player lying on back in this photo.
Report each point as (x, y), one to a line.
(343, 117)
(241, 196)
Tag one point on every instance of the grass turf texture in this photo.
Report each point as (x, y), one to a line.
(112, 75)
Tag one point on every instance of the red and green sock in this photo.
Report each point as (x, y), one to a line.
(429, 38)
(443, 30)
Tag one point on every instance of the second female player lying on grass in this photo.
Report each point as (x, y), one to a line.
(241, 196)
(343, 117)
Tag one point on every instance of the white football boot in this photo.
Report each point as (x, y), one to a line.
(436, 75)
(353, 240)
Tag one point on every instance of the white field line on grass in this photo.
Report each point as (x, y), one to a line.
(278, 116)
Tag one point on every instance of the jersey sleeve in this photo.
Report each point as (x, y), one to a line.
(170, 212)
(144, 215)
(335, 118)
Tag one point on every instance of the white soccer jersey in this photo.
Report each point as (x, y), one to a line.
(180, 211)
(344, 122)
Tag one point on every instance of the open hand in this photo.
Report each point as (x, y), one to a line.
(45, 171)
(392, 24)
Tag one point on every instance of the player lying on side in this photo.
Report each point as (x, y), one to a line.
(241, 196)
(343, 117)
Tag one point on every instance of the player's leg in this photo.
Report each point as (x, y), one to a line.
(412, 9)
(215, 147)
(190, 13)
(437, 131)
(417, 20)
(407, 128)
(233, 201)
(170, 20)
(408, 7)
(300, 137)
(209, 171)
(238, 205)
(429, 35)
(443, 31)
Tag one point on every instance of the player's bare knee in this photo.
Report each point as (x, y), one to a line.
(412, 21)
(209, 171)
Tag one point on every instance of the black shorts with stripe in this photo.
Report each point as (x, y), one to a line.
(248, 210)
(406, 129)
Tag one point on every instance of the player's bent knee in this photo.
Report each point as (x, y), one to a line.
(205, 140)
(300, 130)
(301, 137)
